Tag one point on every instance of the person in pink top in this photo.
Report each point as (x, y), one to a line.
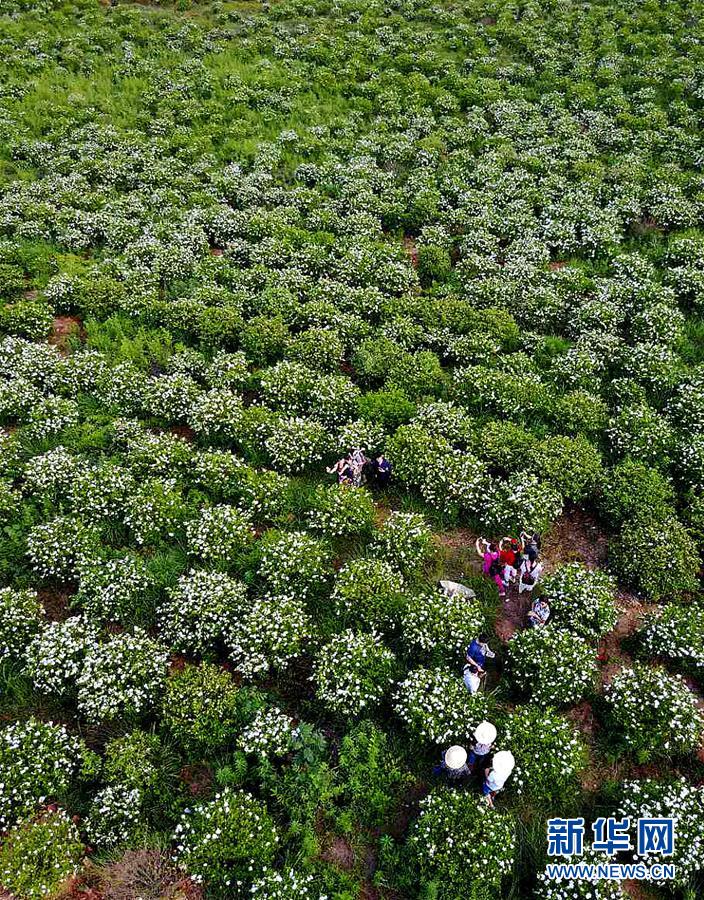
(491, 564)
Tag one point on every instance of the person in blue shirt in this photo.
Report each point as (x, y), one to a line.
(478, 652)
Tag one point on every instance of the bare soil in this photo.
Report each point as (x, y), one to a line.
(63, 328)
(198, 779)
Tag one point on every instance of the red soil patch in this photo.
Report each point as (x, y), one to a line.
(408, 810)
(63, 329)
(339, 853)
(198, 779)
(56, 603)
(558, 264)
(631, 615)
(576, 536)
(411, 248)
(216, 251)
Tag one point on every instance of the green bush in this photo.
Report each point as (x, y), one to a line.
(653, 714)
(372, 779)
(463, 848)
(434, 264)
(633, 490)
(404, 541)
(551, 666)
(571, 465)
(140, 761)
(340, 510)
(389, 408)
(369, 592)
(353, 673)
(203, 709)
(676, 633)
(581, 599)
(39, 855)
(549, 754)
(226, 841)
(659, 558)
(21, 616)
(263, 340)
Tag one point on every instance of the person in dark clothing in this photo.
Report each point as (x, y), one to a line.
(478, 652)
(383, 470)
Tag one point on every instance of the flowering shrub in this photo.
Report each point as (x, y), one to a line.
(111, 589)
(435, 706)
(353, 672)
(156, 511)
(441, 626)
(342, 511)
(285, 885)
(658, 558)
(549, 755)
(521, 502)
(100, 492)
(653, 713)
(39, 855)
(224, 842)
(21, 617)
(56, 548)
(200, 611)
(368, 592)
(270, 632)
(633, 490)
(38, 761)
(296, 444)
(294, 563)
(405, 542)
(220, 536)
(553, 667)
(571, 465)
(55, 656)
(678, 800)
(676, 633)
(458, 841)
(138, 761)
(217, 415)
(122, 677)
(269, 734)
(114, 818)
(454, 482)
(203, 708)
(582, 599)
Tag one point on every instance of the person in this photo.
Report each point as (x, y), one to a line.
(484, 737)
(382, 469)
(491, 564)
(357, 461)
(472, 679)
(453, 764)
(337, 469)
(509, 550)
(531, 544)
(539, 613)
(497, 774)
(530, 572)
(478, 652)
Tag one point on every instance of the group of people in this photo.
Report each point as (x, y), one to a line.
(512, 559)
(358, 469)
(458, 765)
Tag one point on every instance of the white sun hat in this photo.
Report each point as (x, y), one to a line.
(503, 763)
(455, 757)
(485, 733)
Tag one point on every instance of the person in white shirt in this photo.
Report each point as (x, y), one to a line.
(496, 775)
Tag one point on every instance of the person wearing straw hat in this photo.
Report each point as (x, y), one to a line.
(484, 737)
(454, 764)
(496, 775)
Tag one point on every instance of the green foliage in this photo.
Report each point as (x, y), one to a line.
(229, 839)
(549, 754)
(571, 465)
(462, 846)
(658, 558)
(551, 666)
(581, 600)
(434, 264)
(203, 709)
(369, 593)
(633, 490)
(39, 855)
(389, 408)
(653, 714)
(676, 633)
(372, 779)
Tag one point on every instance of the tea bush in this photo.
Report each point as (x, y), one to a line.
(551, 666)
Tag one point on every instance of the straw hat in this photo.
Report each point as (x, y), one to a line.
(485, 733)
(455, 757)
(503, 763)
